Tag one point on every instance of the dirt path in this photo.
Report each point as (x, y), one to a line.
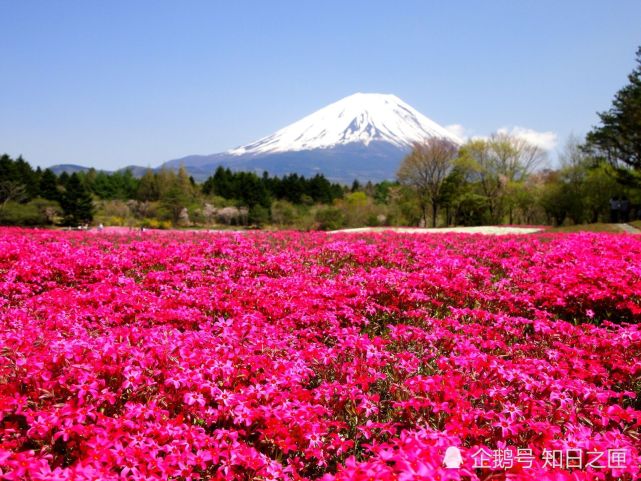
(628, 229)
(487, 229)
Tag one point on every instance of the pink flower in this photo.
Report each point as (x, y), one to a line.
(276, 355)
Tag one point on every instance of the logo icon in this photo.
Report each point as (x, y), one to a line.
(453, 458)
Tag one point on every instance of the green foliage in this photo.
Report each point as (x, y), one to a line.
(404, 207)
(356, 199)
(49, 185)
(283, 213)
(330, 218)
(499, 167)
(258, 215)
(76, 202)
(581, 189)
(155, 224)
(18, 181)
(34, 213)
(63, 179)
(453, 192)
(359, 210)
(482, 186)
(175, 191)
(471, 209)
(250, 189)
(118, 185)
(165, 180)
(556, 200)
(245, 187)
(579, 199)
(381, 192)
(424, 170)
(148, 187)
(596, 227)
(618, 138)
(599, 187)
(174, 201)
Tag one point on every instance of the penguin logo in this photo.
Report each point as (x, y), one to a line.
(453, 458)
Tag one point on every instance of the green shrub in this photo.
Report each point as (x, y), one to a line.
(258, 215)
(37, 212)
(330, 218)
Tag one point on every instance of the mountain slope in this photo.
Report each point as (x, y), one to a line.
(362, 136)
(359, 118)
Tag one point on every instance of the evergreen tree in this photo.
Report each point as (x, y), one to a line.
(6, 167)
(618, 138)
(179, 194)
(18, 175)
(147, 187)
(128, 184)
(174, 201)
(28, 177)
(251, 189)
(185, 182)
(76, 202)
(320, 189)
(102, 185)
(49, 185)
(165, 180)
(63, 178)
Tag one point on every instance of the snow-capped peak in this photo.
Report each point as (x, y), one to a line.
(359, 118)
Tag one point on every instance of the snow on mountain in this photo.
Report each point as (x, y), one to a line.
(363, 136)
(359, 118)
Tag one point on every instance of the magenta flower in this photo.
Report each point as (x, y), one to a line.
(298, 356)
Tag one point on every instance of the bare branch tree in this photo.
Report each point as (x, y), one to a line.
(501, 164)
(11, 190)
(425, 169)
(515, 157)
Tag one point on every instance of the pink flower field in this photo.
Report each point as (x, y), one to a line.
(265, 356)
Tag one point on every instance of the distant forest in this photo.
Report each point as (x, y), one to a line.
(157, 199)
(469, 193)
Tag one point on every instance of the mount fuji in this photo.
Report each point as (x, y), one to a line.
(363, 136)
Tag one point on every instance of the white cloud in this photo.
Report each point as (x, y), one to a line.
(457, 130)
(544, 140)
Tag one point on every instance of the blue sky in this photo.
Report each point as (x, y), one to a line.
(114, 83)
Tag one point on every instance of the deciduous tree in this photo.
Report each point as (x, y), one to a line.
(425, 170)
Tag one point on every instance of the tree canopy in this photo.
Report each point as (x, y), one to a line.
(618, 138)
(425, 170)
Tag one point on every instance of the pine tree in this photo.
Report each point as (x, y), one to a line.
(618, 138)
(63, 178)
(76, 202)
(147, 187)
(165, 181)
(49, 185)
(174, 201)
(185, 182)
(179, 195)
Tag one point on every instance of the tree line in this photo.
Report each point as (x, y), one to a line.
(500, 180)
(38, 197)
(486, 181)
